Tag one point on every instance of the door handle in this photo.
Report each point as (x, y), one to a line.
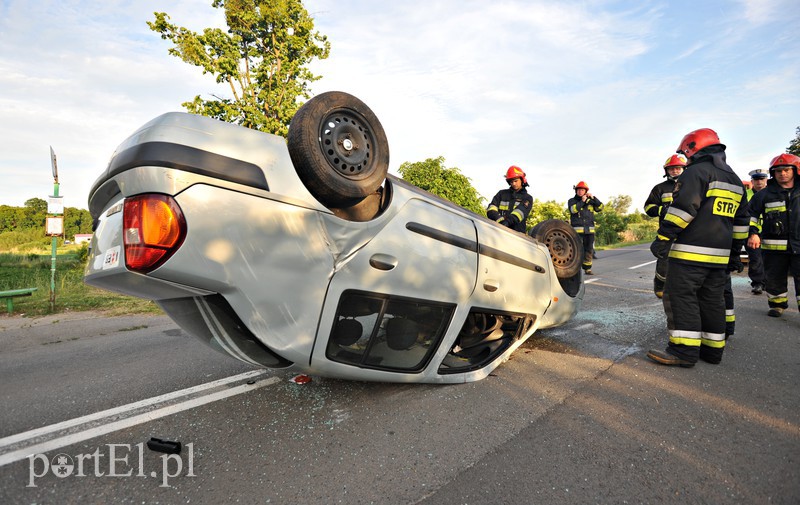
(491, 285)
(384, 262)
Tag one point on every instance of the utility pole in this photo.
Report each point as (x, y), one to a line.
(55, 227)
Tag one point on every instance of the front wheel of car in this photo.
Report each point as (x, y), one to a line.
(338, 148)
(566, 248)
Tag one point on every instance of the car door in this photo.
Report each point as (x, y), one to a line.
(396, 296)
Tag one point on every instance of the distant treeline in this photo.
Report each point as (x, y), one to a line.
(25, 226)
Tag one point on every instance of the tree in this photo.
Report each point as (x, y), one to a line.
(33, 214)
(619, 204)
(609, 225)
(794, 145)
(76, 221)
(541, 211)
(448, 183)
(10, 217)
(262, 58)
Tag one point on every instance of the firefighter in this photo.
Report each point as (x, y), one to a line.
(755, 263)
(775, 228)
(582, 208)
(510, 207)
(701, 235)
(657, 204)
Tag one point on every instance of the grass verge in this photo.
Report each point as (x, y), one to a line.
(33, 270)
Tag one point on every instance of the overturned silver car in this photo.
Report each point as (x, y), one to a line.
(304, 253)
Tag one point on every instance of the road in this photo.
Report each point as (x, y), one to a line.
(577, 415)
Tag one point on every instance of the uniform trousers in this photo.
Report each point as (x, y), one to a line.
(695, 308)
(588, 249)
(777, 265)
(755, 266)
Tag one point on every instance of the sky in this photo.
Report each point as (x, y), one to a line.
(600, 91)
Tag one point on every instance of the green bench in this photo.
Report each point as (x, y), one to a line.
(9, 296)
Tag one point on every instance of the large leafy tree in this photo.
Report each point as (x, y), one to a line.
(448, 183)
(262, 58)
(33, 214)
(794, 146)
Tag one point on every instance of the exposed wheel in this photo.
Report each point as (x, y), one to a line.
(566, 249)
(338, 148)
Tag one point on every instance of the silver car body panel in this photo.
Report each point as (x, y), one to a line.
(282, 260)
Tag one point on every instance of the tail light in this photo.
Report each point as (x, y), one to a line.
(154, 228)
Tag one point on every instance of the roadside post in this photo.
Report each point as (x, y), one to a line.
(55, 227)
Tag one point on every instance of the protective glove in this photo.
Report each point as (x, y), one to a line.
(735, 263)
(660, 248)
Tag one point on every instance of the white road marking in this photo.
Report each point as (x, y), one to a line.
(88, 433)
(592, 280)
(642, 265)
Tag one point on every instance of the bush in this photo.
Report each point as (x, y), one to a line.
(640, 232)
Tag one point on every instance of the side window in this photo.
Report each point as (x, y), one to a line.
(387, 332)
(483, 337)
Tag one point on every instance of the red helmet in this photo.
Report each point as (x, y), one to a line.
(581, 185)
(514, 172)
(783, 160)
(696, 140)
(676, 160)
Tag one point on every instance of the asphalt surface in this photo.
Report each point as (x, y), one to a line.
(578, 415)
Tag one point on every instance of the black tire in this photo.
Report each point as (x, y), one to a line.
(338, 148)
(566, 248)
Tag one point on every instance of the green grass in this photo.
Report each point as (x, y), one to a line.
(33, 270)
(623, 244)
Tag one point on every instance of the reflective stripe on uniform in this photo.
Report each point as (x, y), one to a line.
(518, 214)
(775, 207)
(730, 316)
(774, 244)
(781, 298)
(740, 232)
(755, 223)
(716, 340)
(682, 337)
(666, 197)
(678, 217)
(700, 254)
(725, 190)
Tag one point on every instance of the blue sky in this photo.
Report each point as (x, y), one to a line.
(600, 91)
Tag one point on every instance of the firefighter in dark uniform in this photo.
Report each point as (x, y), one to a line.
(702, 235)
(775, 228)
(657, 204)
(510, 207)
(582, 208)
(755, 265)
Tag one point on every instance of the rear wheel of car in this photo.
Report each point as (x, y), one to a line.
(338, 148)
(564, 245)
